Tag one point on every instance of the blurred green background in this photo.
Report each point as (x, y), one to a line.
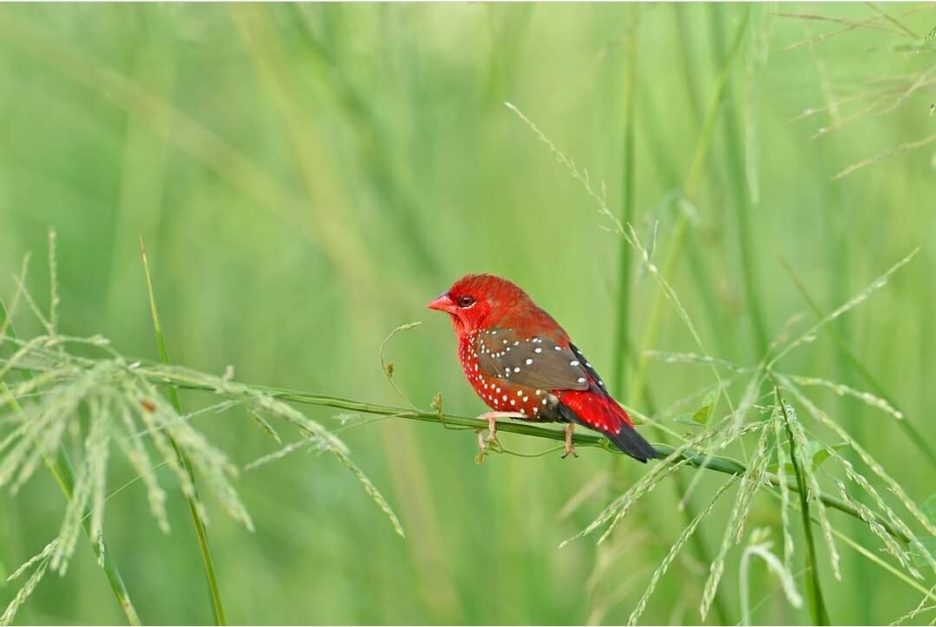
(307, 177)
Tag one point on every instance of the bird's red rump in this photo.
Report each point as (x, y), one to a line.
(596, 409)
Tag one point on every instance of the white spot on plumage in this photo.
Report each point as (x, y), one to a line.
(519, 392)
(581, 379)
(574, 363)
(513, 402)
(558, 348)
(537, 350)
(505, 397)
(517, 369)
(529, 361)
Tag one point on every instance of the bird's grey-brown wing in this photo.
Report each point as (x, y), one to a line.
(535, 362)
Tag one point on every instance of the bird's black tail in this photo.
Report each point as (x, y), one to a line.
(603, 414)
(632, 443)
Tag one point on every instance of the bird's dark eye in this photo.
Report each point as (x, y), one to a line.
(465, 301)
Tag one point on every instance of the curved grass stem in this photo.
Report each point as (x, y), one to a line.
(698, 459)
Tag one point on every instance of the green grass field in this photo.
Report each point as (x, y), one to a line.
(691, 190)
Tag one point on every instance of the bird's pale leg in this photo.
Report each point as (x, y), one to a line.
(569, 447)
(491, 418)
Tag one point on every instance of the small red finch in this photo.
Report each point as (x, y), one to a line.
(522, 364)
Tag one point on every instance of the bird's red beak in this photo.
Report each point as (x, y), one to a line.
(443, 303)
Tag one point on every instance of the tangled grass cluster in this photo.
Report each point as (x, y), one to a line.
(69, 403)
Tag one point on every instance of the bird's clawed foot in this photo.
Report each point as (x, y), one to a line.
(491, 443)
(569, 447)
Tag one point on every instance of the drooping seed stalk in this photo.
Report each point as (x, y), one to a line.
(63, 472)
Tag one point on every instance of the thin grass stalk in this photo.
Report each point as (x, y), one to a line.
(63, 472)
(820, 615)
(845, 351)
(200, 531)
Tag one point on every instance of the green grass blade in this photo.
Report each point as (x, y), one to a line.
(200, 531)
(618, 363)
(740, 192)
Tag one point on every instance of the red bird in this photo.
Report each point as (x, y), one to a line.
(522, 364)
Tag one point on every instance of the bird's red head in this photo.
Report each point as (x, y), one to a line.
(479, 301)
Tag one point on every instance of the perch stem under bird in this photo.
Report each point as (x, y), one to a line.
(523, 365)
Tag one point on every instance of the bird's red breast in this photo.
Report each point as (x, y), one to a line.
(518, 359)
